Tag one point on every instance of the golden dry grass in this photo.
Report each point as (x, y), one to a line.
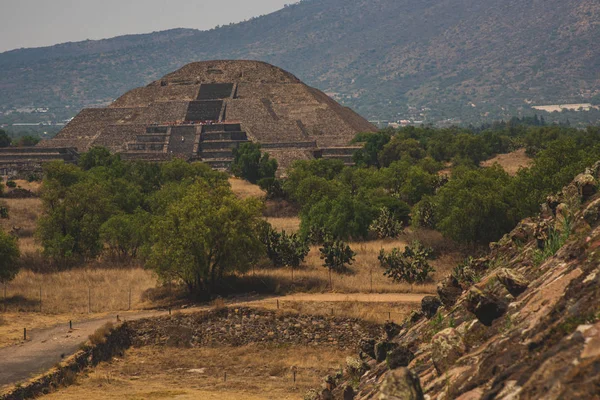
(378, 312)
(366, 274)
(70, 291)
(253, 372)
(23, 213)
(65, 296)
(244, 189)
(510, 162)
(288, 224)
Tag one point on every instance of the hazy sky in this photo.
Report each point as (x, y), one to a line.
(35, 23)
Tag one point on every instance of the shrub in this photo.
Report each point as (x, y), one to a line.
(465, 273)
(11, 184)
(423, 213)
(9, 254)
(410, 266)
(3, 211)
(251, 164)
(386, 225)
(282, 249)
(336, 255)
(273, 187)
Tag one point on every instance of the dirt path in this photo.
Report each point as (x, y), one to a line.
(46, 347)
(359, 297)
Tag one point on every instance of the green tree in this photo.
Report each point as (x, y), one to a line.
(97, 157)
(207, 233)
(373, 144)
(72, 216)
(124, 234)
(336, 256)
(9, 255)
(475, 206)
(4, 139)
(251, 164)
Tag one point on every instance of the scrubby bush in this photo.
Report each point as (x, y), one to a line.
(3, 211)
(423, 213)
(336, 256)
(386, 225)
(11, 184)
(9, 254)
(409, 266)
(284, 250)
(273, 187)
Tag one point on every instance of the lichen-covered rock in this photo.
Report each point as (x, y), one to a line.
(514, 282)
(586, 184)
(367, 346)
(382, 349)
(591, 214)
(447, 346)
(449, 290)
(399, 357)
(485, 306)
(391, 330)
(355, 367)
(430, 305)
(414, 317)
(401, 384)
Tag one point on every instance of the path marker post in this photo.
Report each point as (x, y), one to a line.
(89, 300)
(40, 299)
(24, 333)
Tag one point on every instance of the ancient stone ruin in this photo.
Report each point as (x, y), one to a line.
(205, 109)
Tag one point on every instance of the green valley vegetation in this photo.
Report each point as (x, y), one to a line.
(432, 178)
(183, 221)
(9, 255)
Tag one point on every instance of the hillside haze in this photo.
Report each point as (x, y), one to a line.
(444, 59)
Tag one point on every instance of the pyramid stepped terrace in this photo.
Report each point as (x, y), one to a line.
(206, 109)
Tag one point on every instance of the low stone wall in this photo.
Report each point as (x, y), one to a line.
(242, 326)
(227, 326)
(114, 343)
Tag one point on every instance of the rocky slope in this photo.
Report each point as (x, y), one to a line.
(460, 58)
(521, 323)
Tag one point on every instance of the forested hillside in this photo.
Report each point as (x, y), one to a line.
(473, 60)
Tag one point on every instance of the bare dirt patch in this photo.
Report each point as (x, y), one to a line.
(253, 372)
(510, 162)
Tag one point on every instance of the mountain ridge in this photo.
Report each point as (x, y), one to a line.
(458, 58)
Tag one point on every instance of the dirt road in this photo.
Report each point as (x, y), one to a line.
(44, 348)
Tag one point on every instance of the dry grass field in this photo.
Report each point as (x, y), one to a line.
(510, 162)
(67, 295)
(377, 312)
(244, 189)
(253, 372)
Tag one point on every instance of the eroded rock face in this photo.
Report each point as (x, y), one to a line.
(449, 290)
(430, 305)
(367, 346)
(401, 384)
(447, 346)
(399, 357)
(514, 282)
(485, 306)
(586, 185)
(391, 330)
(382, 349)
